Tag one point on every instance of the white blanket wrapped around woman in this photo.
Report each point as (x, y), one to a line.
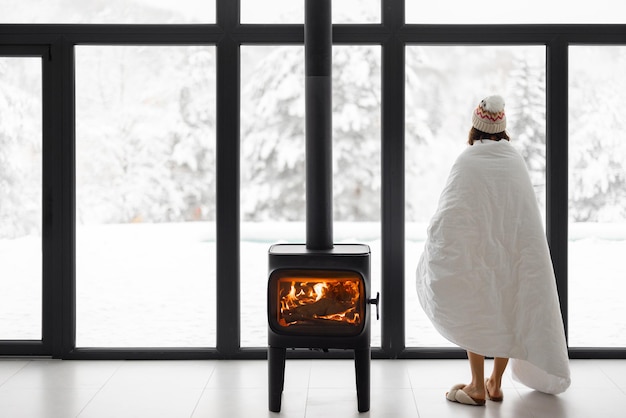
(485, 278)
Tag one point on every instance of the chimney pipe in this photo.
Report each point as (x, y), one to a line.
(318, 124)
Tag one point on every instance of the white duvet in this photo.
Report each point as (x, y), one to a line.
(485, 278)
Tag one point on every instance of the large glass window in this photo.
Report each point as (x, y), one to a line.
(273, 166)
(20, 198)
(440, 97)
(127, 11)
(597, 196)
(145, 170)
(144, 174)
(507, 12)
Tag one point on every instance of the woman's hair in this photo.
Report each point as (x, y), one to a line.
(476, 135)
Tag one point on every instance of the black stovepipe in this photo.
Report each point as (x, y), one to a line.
(318, 124)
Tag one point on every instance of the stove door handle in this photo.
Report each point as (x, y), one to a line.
(375, 302)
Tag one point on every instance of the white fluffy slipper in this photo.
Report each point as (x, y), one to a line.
(456, 394)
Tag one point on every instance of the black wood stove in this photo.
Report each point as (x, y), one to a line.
(319, 299)
(319, 292)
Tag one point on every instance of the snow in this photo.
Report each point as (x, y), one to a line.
(292, 11)
(20, 284)
(142, 285)
(596, 286)
(146, 285)
(530, 11)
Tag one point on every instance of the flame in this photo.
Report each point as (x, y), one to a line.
(319, 299)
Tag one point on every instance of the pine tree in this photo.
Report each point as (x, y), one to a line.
(273, 158)
(527, 117)
(191, 160)
(597, 149)
(155, 161)
(272, 148)
(20, 147)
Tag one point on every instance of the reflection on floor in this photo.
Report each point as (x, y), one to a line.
(313, 388)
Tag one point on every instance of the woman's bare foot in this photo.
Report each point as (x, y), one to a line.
(493, 392)
(476, 393)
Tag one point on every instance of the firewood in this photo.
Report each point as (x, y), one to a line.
(322, 307)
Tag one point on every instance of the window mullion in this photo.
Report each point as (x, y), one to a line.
(228, 115)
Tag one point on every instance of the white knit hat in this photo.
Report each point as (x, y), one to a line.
(489, 115)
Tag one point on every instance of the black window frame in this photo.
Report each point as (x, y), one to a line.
(56, 43)
(50, 321)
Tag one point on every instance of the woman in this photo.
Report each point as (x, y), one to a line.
(485, 278)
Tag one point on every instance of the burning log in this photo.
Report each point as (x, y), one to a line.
(320, 309)
(316, 301)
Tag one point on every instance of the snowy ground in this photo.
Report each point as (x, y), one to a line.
(154, 285)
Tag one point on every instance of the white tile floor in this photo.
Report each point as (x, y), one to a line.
(313, 388)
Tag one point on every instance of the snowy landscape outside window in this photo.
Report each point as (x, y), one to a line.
(145, 173)
(20, 198)
(597, 196)
(512, 12)
(443, 86)
(292, 11)
(109, 11)
(273, 164)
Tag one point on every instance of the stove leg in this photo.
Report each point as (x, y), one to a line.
(362, 367)
(276, 376)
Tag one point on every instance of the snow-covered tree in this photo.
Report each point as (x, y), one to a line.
(356, 133)
(20, 147)
(92, 11)
(145, 134)
(192, 155)
(596, 133)
(527, 116)
(427, 130)
(273, 141)
(272, 147)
